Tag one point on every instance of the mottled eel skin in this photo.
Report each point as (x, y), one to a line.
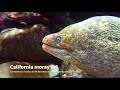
(92, 45)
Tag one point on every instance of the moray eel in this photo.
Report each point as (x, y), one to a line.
(93, 45)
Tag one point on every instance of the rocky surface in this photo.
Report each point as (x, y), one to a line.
(21, 19)
(23, 44)
(55, 21)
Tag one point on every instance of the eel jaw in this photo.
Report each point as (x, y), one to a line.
(60, 53)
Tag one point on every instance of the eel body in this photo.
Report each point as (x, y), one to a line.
(92, 45)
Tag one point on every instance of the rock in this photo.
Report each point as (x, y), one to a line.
(58, 20)
(21, 19)
(23, 44)
(17, 69)
(27, 17)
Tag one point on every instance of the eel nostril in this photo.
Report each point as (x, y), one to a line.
(46, 40)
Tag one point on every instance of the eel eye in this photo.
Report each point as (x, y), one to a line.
(58, 39)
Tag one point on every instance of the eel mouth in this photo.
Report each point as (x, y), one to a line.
(47, 46)
(56, 52)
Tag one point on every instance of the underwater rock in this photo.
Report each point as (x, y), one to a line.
(28, 17)
(93, 45)
(17, 69)
(21, 19)
(57, 20)
(23, 44)
(21, 14)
